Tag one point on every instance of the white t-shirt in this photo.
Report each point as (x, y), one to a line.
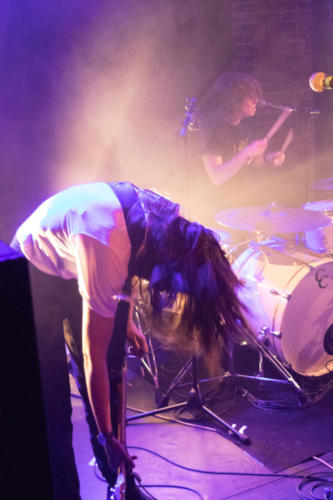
(81, 233)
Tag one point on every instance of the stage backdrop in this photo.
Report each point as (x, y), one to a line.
(95, 90)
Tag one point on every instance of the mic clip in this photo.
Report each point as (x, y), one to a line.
(193, 119)
(310, 111)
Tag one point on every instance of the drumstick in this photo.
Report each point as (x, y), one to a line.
(287, 141)
(282, 118)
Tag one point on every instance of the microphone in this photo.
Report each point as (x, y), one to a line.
(320, 81)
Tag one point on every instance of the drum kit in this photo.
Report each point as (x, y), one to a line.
(286, 268)
(285, 265)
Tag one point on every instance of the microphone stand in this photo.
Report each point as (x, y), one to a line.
(193, 120)
(182, 137)
(310, 170)
(189, 108)
(194, 401)
(310, 113)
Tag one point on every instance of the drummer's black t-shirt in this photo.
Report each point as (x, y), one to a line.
(227, 140)
(249, 186)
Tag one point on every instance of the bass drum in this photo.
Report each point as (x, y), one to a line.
(289, 295)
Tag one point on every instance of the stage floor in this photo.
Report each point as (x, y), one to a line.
(160, 445)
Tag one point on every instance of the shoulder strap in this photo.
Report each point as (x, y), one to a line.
(127, 195)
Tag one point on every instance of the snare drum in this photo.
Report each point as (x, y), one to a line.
(320, 240)
(289, 295)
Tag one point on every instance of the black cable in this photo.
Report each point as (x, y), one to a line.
(281, 405)
(219, 473)
(174, 486)
(311, 481)
(144, 486)
(314, 482)
(101, 478)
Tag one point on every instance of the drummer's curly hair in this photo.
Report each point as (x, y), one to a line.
(183, 257)
(229, 90)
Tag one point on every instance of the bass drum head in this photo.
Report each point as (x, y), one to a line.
(308, 322)
(292, 294)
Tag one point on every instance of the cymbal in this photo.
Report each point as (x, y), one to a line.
(272, 219)
(323, 206)
(323, 185)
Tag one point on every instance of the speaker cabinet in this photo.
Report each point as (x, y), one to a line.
(25, 465)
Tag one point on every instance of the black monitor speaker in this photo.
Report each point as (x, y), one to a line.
(25, 464)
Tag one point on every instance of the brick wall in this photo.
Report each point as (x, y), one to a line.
(273, 40)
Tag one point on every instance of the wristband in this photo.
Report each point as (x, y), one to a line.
(104, 438)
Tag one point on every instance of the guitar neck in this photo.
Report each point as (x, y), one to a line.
(119, 414)
(121, 407)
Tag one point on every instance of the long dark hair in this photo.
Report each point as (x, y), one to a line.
(184, 258)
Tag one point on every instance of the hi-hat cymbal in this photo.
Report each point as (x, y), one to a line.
(323, 185)
(272, 219)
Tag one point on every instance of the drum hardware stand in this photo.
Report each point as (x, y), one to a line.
(234, 248)
(194, 401)
(264, 352)
(148, 362)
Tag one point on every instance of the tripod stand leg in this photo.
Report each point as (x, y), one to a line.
(194, 401)
(265, 352)
(280, 367)
(240, 434)
(148, 362)
(178, 378)
(231, 428)
(155, 412)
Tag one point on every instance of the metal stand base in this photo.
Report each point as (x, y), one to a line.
(287, 377)
(194, 401)
(148, 362)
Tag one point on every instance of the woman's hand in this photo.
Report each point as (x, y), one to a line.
(137, 340)
(256, 148)
(117, 455)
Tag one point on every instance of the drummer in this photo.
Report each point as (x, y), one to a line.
(232, 157)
